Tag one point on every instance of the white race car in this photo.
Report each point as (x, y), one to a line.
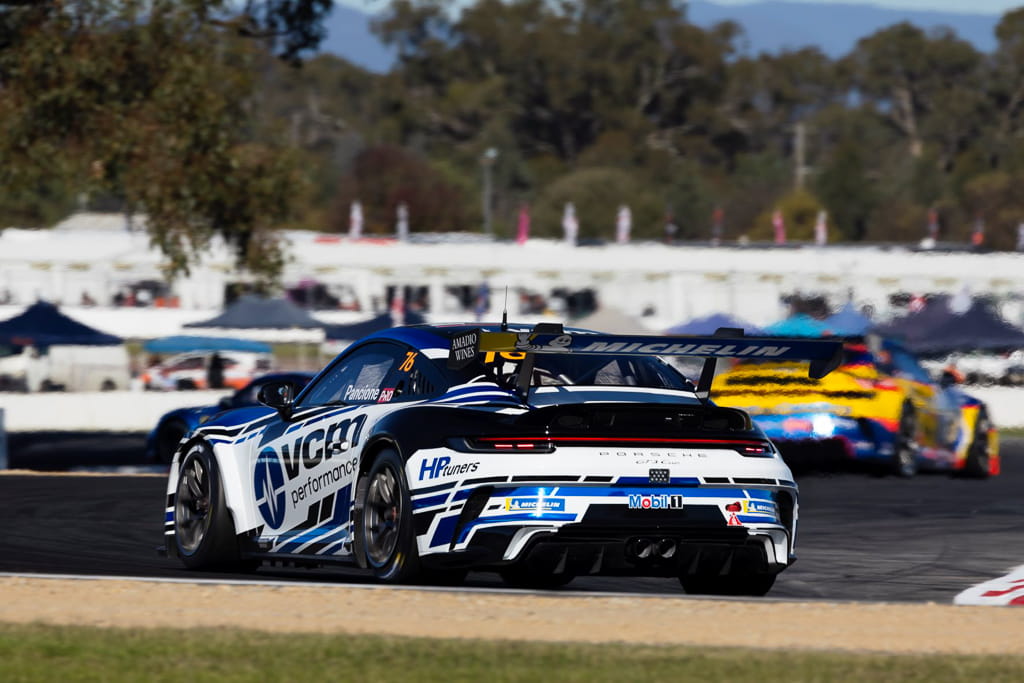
(541, 453)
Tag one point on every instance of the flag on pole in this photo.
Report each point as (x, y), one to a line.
(523, 225)
(570, 226)
(623, 224)
(780, 227)
(355, 220)
(402, 222)
(978, 233)
(821, 229)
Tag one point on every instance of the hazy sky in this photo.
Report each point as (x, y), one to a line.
(966, 6)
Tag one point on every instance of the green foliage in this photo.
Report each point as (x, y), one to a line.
(597, 194)
(146, 102)
(170, 108)
(384, 177)
(799, 212)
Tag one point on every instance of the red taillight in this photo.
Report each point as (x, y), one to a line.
(531, 444)
(733, 507)
(753, 450)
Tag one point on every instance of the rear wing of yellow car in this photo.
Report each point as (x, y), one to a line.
(824, 355)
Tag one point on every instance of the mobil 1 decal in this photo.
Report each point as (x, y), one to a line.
(295, 470)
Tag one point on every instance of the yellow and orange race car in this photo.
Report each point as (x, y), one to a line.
(879, 407)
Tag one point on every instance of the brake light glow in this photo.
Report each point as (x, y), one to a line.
(547, 444)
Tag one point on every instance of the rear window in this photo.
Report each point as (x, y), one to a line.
(570, 370)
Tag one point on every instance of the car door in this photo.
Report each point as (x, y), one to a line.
(305, 469)
(938, 414)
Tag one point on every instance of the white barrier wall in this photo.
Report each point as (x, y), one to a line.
(114, 411)
(129, 411)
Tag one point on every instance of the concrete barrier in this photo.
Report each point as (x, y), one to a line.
(121, 411)
(114, 411)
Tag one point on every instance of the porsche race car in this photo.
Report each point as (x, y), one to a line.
(541, 453)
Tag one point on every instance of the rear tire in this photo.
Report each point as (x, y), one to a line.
(204, 533)
(751, 585)
(978, 458)
(388, 540)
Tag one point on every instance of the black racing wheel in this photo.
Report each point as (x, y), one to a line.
(204, 533)
(904, 459)
(388, 539)
(978, 457)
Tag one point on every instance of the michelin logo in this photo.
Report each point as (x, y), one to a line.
(669, 349)
(759, 507)
(535, 504)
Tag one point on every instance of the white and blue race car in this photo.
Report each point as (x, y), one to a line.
(542, 453)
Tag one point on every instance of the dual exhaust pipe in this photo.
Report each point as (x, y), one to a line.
(650, 549)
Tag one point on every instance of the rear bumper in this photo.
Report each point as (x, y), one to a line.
(585, 530)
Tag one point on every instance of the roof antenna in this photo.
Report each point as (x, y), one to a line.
(504, 313)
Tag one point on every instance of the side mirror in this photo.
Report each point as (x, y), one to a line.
(278, 395)
(224, 403)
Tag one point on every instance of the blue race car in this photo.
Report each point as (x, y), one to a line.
(175, 424)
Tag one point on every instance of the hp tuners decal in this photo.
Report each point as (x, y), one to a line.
(435, 468)
(268, 482)
(662, 501)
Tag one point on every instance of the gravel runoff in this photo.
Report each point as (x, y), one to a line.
(858, 627)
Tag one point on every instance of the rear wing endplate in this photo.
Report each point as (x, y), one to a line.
(824, 355)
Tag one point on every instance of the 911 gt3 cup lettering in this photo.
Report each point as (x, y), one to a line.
(439, 467)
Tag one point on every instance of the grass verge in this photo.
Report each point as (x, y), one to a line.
(51, 653)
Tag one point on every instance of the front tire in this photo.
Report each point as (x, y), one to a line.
(904, 460)
(388, 538)
(204, 533)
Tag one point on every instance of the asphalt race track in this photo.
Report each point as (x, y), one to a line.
(861, 537)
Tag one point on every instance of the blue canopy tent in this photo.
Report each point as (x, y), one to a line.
(709, 323)
(186, 343)
(355, 331)
(848, 321)
(41, 324)
(257, 312)
(800, 325)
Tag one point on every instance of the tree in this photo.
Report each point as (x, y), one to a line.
(147, 102)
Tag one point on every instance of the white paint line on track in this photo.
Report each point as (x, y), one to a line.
(483, 590)
(1006, 591)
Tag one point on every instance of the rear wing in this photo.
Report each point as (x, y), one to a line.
(824, 355)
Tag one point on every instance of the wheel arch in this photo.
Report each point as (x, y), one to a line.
(233, 480)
